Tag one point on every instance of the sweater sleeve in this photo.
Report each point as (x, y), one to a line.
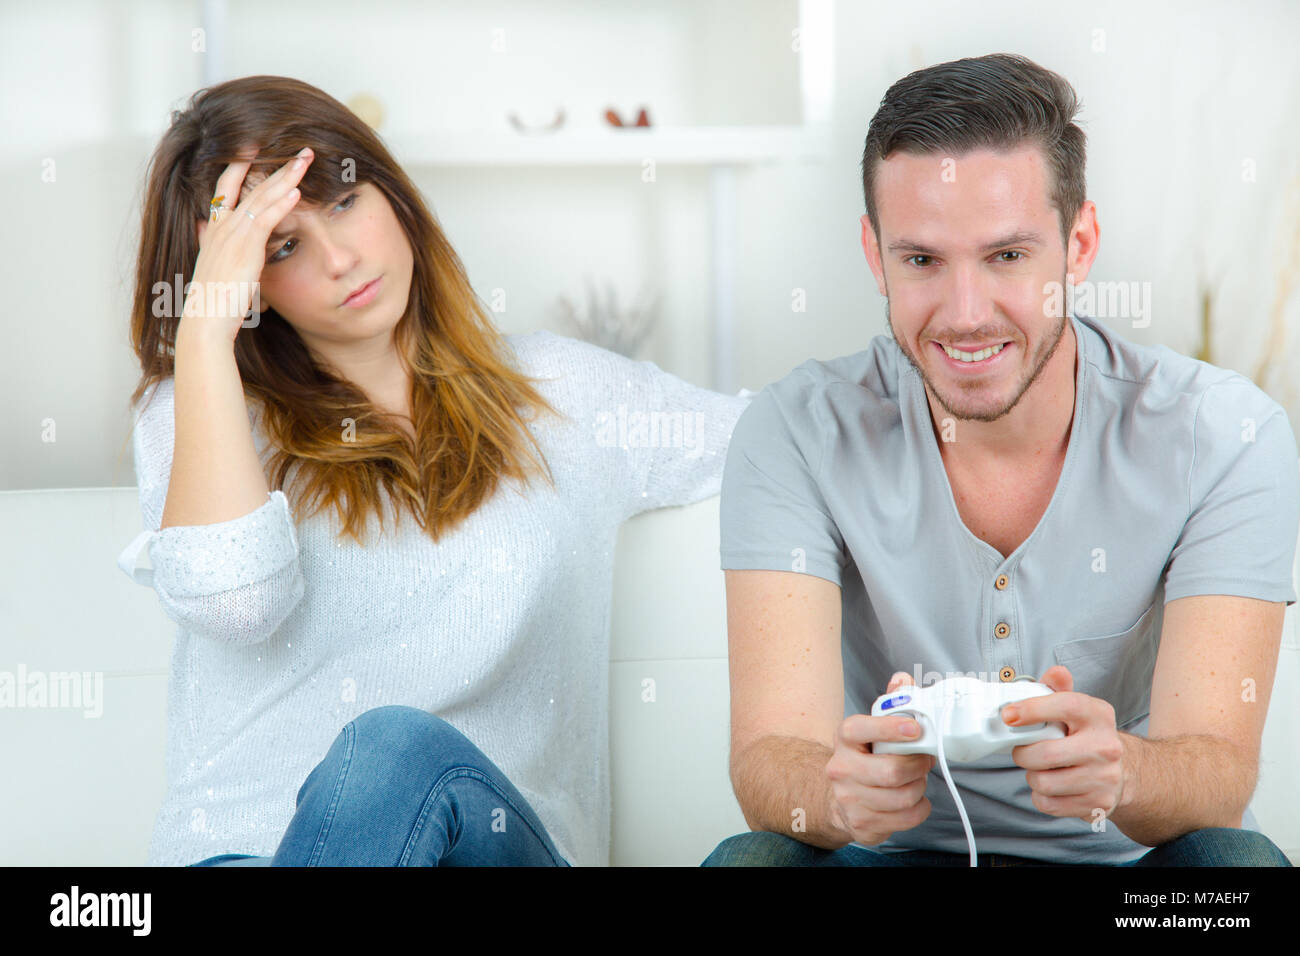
(689, 429)
(233, 581)
(666, 438)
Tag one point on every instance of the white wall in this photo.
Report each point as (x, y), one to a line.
(1181, 94)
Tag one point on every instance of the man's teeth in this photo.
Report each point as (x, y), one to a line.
(973, 356)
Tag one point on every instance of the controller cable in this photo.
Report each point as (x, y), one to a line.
(952, 787)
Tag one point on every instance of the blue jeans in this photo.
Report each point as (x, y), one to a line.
(401, 787)
(1215, 846)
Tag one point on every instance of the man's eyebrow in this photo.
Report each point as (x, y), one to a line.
(1013, 239)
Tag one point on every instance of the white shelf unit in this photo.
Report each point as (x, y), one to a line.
(724, 150)
(686, 145)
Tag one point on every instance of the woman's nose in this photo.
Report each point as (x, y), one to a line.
(340, 257)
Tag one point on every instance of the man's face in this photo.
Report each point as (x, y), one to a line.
(325, 255)
(967, 246)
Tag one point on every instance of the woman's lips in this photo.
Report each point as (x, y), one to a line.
(365, 295)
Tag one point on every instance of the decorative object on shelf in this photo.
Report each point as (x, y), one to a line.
(532, 130)
(613, 119)
(603, 323)
(368, 108)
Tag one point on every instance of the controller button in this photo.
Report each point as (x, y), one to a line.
(1007, 673)
(895, 702)
(1002, 630)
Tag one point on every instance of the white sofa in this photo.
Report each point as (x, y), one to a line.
(82, 791)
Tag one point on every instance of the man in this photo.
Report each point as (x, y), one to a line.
(1002, 490)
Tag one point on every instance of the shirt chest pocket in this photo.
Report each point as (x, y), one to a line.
(1117, 667)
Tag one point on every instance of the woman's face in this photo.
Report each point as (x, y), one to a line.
(317, 257)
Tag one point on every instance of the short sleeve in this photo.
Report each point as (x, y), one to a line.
(664, 439)
(1244, 500)
(773, 514)
(234, 581)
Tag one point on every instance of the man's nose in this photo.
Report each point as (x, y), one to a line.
(968, 297)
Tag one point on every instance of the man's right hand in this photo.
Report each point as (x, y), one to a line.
(877, 795)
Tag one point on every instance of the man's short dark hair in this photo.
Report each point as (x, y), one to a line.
(1000, 102)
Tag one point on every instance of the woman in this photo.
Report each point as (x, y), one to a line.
(434, 691)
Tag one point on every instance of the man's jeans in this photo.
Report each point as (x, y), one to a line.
(401, 787)
(1216, 846)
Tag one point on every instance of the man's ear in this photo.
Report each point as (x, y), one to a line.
(871, 250)
(1085, 240)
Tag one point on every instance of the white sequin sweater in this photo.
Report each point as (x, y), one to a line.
(502, 629)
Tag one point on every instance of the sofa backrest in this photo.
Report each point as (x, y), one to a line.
(82, 789)
(66, 607)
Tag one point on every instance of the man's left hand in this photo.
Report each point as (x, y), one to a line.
(1082, 772)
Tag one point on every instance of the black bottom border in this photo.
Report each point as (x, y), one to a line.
(331, 904)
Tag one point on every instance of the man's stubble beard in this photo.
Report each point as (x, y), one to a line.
(1046, 352)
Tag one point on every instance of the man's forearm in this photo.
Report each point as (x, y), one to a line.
(1175, 785)
(781, 785)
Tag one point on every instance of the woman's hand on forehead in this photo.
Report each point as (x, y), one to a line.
(251, 182)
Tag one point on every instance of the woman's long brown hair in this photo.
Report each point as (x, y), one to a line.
(466, 395)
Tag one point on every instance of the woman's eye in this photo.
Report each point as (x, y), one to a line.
(280, 254)
(346, 203)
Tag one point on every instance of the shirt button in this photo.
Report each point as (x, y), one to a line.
(1001, 582)
(1002, 630)
(1007, 673)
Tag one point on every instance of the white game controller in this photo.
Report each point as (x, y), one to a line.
(972, 725)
